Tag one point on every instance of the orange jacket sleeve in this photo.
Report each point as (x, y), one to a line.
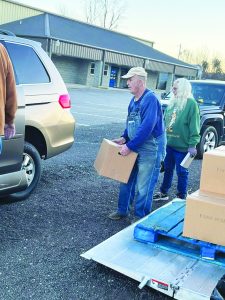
(8, 97)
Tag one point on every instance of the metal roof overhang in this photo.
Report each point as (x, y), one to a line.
(68, 48)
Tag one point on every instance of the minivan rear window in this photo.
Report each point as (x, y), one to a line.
(27, 65)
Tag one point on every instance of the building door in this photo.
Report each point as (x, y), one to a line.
(113, 76)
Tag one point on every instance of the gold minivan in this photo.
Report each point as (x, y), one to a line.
(44, 123)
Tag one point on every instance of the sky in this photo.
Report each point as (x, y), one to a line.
(175, 26)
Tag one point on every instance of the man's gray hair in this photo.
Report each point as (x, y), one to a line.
(143, 78)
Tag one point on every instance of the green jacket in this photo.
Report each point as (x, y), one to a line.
(183, 127)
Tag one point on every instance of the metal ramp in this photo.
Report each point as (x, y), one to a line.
(173, 274)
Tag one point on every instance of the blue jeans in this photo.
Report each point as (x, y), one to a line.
(143, 179)
(173, 159)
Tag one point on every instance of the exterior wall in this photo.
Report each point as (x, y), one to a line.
(158, 66)
(185, 72)
(81, 71)
(169, 82)
(152, 80)
(123, 83)
(118, 78)
(14, 12)
(72, 49)
(123, 59)
(72, 70)
(43, 41)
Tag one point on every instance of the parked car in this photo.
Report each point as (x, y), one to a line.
(210, 95)
(44, 123)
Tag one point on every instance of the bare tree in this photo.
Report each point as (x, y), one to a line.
(91, 11)
(186, 55)
(211, 68)
(194, 57)
(62, 10)
(105, 13)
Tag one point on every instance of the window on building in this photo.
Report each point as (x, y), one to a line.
(28, 67)
(92, 69)
(106, 70)
(162, 80)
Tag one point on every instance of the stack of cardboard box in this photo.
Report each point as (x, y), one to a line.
(205, 208)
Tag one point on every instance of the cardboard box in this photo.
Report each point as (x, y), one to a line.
(213, 171)
(110, 163)
(205, 217)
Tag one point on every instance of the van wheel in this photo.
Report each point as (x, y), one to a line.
(32, 165)
(208, 141)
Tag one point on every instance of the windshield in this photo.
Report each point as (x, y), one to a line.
(208, 94)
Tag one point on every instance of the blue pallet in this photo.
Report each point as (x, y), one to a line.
(164, 229)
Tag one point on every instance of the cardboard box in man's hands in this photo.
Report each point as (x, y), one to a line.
(110, 163)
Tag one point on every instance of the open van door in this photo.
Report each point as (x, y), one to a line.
(12, 176)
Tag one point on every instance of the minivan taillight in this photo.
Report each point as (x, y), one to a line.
(64, 101)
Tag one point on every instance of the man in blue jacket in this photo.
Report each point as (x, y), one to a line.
(144, 134)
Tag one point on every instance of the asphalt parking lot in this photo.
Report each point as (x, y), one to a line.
(42, 237)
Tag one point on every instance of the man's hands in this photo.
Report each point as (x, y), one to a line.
(9, 131)
(119, 141)
(124, 150)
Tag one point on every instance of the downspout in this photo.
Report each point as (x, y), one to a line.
(103, 66)
(48, 35)
(173, 75)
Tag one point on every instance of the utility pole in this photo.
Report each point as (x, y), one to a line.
(179, 52)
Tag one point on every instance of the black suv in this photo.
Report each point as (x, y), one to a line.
(210, 95)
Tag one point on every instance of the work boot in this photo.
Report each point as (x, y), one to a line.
(160, 196)
(116, 216)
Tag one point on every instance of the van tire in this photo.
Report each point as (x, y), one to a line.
(32, 165)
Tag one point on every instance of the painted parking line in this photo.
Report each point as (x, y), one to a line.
(80, 124)
(96, 108)
(99, 116)
(103, 105)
